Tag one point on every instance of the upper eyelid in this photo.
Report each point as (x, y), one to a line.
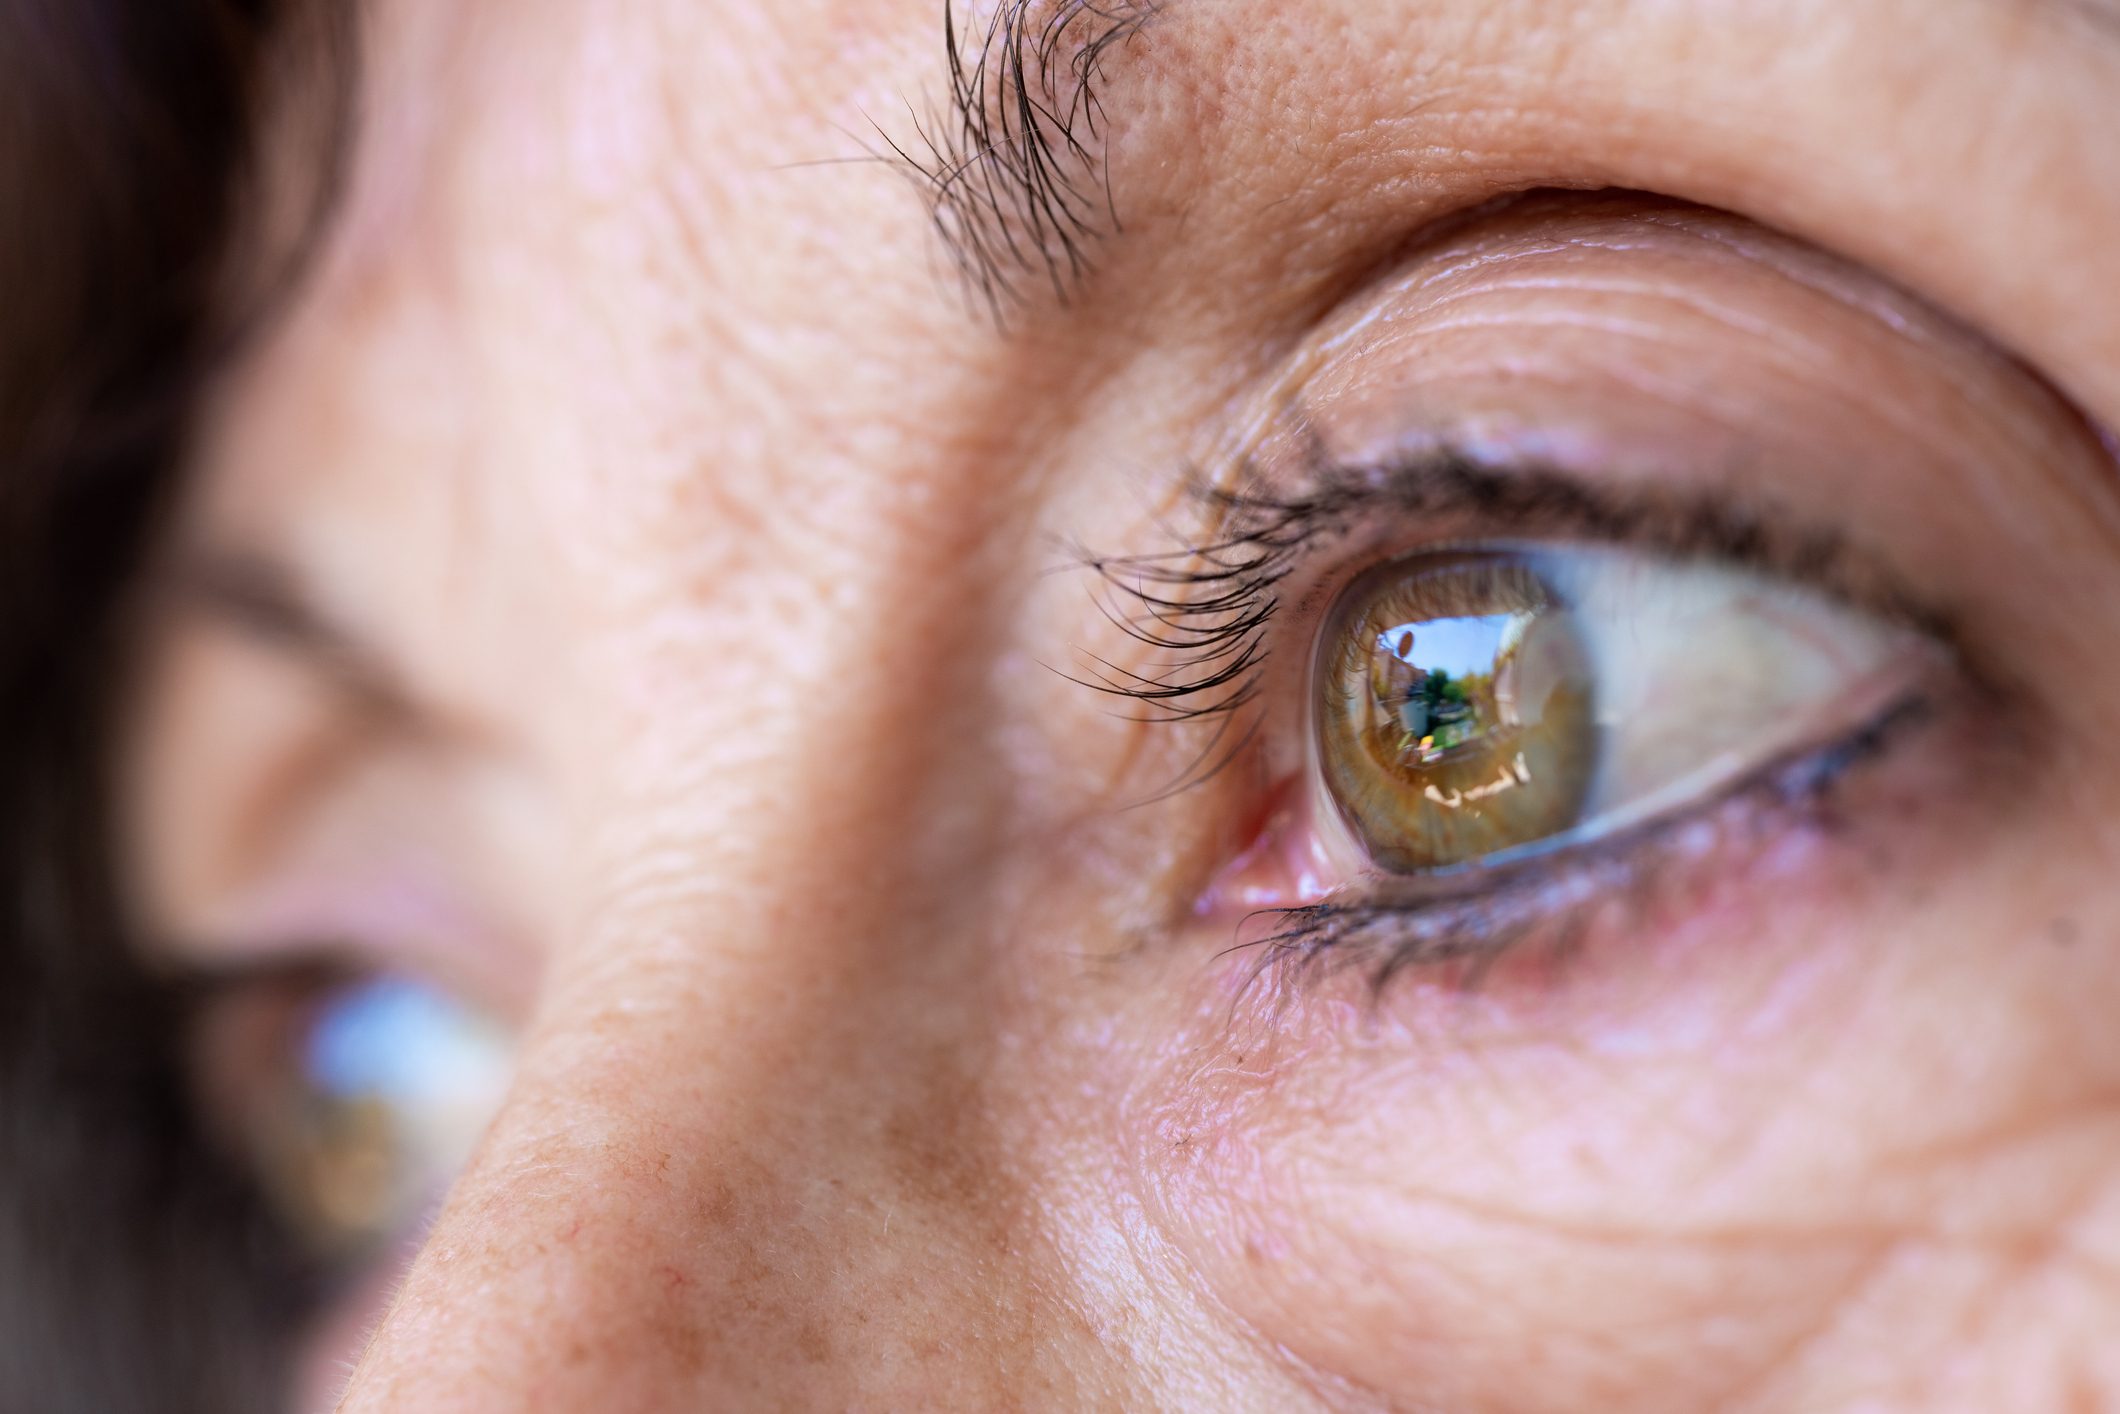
(1210, 610)
(264, 600)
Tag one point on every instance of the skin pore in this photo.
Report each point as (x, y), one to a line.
(676, 589)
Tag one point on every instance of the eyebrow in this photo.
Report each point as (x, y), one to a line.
(262, 598)
(1014, 163)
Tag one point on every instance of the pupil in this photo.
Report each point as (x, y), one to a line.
(1459, 720)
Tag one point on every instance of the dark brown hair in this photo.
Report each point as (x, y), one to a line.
(135, 1274)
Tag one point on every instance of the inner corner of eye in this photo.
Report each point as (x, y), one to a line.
(1286, 859)
(1471, 705)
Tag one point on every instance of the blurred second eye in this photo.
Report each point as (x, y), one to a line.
(1476, 704)
(357, 1100)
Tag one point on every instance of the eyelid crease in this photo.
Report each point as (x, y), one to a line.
(262, 598)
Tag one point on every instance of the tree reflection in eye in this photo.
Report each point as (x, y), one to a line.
(1439, 710)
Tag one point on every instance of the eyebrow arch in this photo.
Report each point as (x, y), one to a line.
(261, 598)
(1014, 166)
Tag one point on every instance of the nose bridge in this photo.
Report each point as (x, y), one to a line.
(751, 1156)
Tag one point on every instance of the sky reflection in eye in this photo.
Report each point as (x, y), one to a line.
(404, 1043)
(1459, 647)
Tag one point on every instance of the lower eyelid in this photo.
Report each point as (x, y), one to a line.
(1556, 911)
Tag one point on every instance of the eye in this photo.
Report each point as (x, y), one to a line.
(1477, 704)
(358, 1100)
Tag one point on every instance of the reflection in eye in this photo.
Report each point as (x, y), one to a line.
(389, 1085)
(1477, 704)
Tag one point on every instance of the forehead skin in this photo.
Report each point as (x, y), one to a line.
(662, 448)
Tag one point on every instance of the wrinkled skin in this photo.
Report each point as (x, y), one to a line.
(874, 1054)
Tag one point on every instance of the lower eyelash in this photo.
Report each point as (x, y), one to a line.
(1475, 917)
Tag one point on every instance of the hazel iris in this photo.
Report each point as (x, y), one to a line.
(1457, 713)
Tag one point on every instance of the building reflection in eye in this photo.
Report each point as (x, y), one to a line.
(1460, 718)
(1441, 689)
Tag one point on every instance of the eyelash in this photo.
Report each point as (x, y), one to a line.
(1211, 605)
(1212, 609)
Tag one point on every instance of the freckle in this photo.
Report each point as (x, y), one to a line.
(717, 1206)
(2063, 932)
(1261, 1248)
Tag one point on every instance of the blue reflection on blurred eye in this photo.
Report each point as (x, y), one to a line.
(399, 1041)
(397, 1082)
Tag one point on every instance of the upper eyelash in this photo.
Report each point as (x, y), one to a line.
(1208, 608)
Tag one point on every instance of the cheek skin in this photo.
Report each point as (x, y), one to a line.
(1686, 1168)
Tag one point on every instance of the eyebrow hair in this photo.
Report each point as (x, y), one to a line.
(1014, 166)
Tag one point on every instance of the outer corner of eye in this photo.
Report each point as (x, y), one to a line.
(1476, 705)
